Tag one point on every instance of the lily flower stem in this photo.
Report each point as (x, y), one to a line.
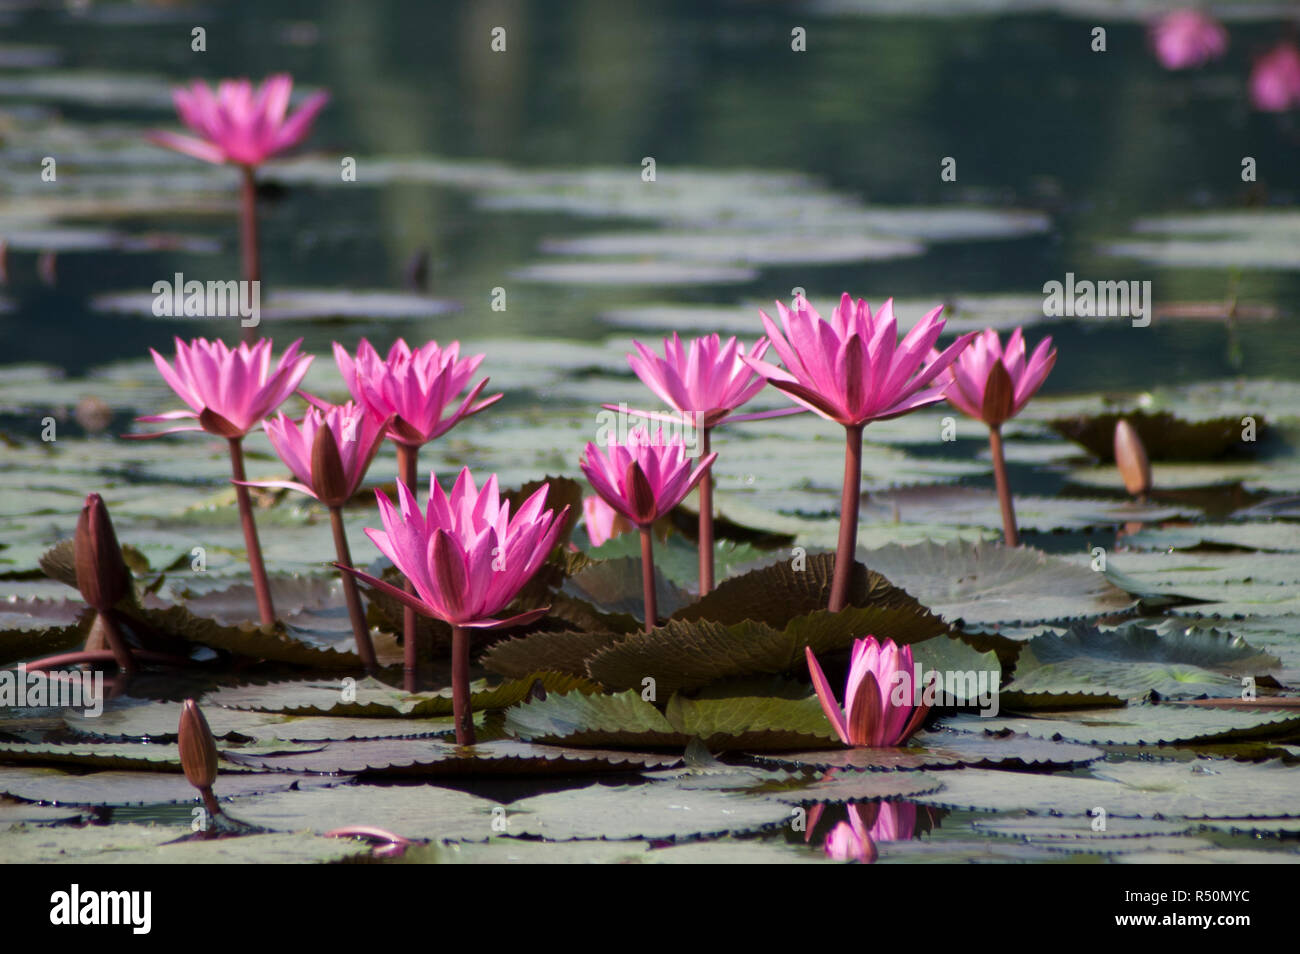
(251, 254)
(464, 715)
(117, 643)
(850, 500)
(706, 518)
(261, 585)
(210, 802)
(648, 577)
(406, 466)
(1004, 488)
(360, 631)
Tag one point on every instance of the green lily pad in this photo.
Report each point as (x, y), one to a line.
(45, 784)
(1140, 725)
(158, 844)
(1094, 666)
(30, 627)
(852, 786)
(989, 583)
(1278, 536)
(565, 652)
(944, 749)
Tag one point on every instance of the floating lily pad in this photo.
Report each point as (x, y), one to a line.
(29, 627)
(1140, 725)
(1093, 666)
(157, 844)
(14, 813)
(565, 652)
(45, 784)
(658, 811)
(431, 757)
(944, 749)
(517, 851)
(304, 304)
(988, 583)
(853, 786)
(1273, 536)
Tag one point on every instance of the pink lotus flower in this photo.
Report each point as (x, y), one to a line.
(856, 839)
(229, 390)
(240, 125)
(416, 387)
(1275, 79)
(328, 451)
(1188, 38)
(646, 477)
(710, 379)
(870, 716)
(972, 388)
(467, 557)
(603, 521)
(852, 369)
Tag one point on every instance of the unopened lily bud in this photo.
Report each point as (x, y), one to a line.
(102, 574)
(330, 481)
(198, 748)
(1131, 459)
(999, 396)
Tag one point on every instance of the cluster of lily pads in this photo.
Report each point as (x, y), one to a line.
(703, 678)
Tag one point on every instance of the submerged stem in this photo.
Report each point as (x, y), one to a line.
(850, 500)
(706, 518)
(463, 713)
(406, 467)
(360, 631)
(648, 578)
(1004, 488)
(261, 585)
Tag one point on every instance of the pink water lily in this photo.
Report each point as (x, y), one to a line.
(643, 480)
(1188, 38)
(1275, 79)
(419, 390)
(870, 716)
(466, 558)
(328, 451)
(229, 390)
(240, 124)
(704, 383)
(853, 370)
(972, 382)
(993, 385)
(708, 378)
(417, 387)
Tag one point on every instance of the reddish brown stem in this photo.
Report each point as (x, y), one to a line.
(261, 585)
(850, 500)
(117, 643)
(360, 631)
(406, 467)
(460, 703)
(248, 246)
(706, 518)
(102, 656)
(210, 802)
(1004, 488)
(648, 578)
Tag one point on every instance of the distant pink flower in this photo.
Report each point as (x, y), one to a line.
(709, 379)
(238, 124)
(853, 369)
(229, 390)
(328, 451)
(1275, 79)
(870, 717)
(603, 521)
(855, 840)
(467, 558)
(973, 389)
(416, 387)
(646, 477)
(1188, 38)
